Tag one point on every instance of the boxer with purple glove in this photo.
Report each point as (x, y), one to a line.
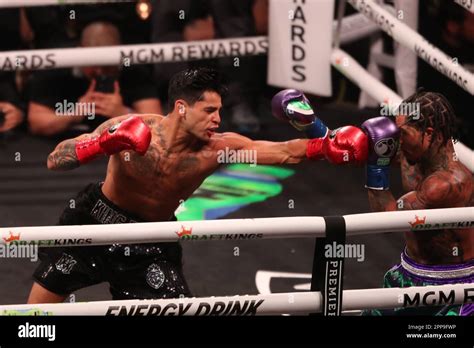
(345, 145)
(383, 135)
(291, 105)
(432, 178)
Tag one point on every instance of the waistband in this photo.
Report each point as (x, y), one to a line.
(106, 212)
(458, 272)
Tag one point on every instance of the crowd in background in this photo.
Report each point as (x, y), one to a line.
(28, 98)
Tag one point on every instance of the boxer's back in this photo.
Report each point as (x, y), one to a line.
(445, 246)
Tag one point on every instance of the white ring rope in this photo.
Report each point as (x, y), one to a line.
(272, 304)
(236, 229)
(354, 27)
(408, 37)
(467, 4)
(127, 55)
(34, 3)
(357, 26)
(350, 68)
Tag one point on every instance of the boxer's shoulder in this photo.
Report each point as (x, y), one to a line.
(151, 119)
(448, 187)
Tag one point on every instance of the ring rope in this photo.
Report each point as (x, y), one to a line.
(236, 229)
(272, 304)
(408, 37)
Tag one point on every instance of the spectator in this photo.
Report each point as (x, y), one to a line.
(451, 28)
(109, 91)
(11, 113)
(124, 15)
(240, 18)
(260, 15)
(186, 20)
(48, 26)
(175, 21)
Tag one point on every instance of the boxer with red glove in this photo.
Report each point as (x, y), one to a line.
(341, 146)
(130, 134)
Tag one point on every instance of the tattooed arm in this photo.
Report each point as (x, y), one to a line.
(436, 191)
(64, 156)
(268, 152)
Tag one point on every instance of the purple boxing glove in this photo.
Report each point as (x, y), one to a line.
(383, 135)
(291, 105)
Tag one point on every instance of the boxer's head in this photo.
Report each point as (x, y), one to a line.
(424, 133)
(195, 95)
(98, 34)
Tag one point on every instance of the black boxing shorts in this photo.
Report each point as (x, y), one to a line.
(135, 271)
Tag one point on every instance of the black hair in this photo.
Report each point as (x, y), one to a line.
(435, 112)
(191, 84)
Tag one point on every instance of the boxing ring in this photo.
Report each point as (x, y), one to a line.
(367, 22)
(235, 229)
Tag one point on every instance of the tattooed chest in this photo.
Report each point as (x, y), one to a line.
(159, 166)
(441, 246)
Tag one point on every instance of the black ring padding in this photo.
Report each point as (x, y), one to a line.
(335, 229)
(335, 232)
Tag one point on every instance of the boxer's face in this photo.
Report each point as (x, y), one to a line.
(202, 119)
(414, 144)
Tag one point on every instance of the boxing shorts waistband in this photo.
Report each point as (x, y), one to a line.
(456, 273)
(106, 212)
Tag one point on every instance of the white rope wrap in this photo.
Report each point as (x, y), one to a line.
(236, 229)
(408, 37)
(34, 3)
(272, 304)
(127, 55)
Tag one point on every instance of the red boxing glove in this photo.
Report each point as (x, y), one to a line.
(130, 134)
(343, 145)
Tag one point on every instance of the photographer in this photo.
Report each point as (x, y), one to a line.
(11, 114)
(11, 106)
(65, 99)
